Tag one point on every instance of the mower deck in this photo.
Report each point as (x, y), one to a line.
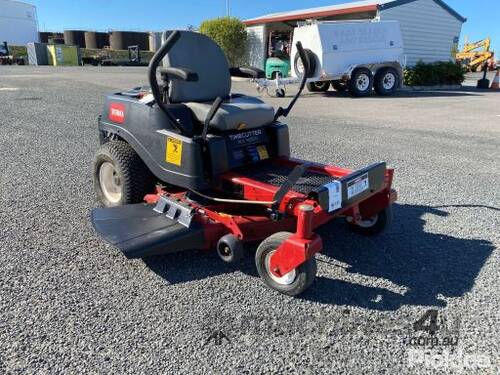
(176, 220)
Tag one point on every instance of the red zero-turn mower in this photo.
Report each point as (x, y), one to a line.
(214, 170)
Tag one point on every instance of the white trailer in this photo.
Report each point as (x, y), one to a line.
(18, 23)
(353, 55)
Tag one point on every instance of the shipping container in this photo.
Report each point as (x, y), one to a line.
(37, 54)
(63, 55)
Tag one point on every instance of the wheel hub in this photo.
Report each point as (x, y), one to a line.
(363, 82)
(367, 223)
(388, 81)
(286, 279)
(110, 182)
(300, 66)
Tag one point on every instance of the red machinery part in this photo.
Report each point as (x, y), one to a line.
(299, 247)
(302, 215)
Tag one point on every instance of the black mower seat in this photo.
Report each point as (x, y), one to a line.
(236, 113)
(195, 52)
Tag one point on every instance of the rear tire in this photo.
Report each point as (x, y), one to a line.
(321, 86)
(386, 81)
(374, 225)
(120, 175)
(361, 82)
(293, 283)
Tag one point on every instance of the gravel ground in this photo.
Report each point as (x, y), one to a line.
(71, 304)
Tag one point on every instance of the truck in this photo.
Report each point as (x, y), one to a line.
(357, 56)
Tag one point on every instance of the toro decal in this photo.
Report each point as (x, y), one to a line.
(116, 113)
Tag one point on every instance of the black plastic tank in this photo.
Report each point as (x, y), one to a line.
(74, 38)
(121, 40)
(96, 40)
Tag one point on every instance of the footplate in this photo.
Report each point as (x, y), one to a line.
(141, 230)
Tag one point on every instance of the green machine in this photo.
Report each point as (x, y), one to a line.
(277, 66)
(278, 61)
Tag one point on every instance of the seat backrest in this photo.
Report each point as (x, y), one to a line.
(202, 55)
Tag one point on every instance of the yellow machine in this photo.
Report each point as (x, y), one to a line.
(474, 55)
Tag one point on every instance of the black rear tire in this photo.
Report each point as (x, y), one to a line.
(130, 178)
(291, 284)
(374, 225)
(361, 82)
(320, 86)
(386, 81)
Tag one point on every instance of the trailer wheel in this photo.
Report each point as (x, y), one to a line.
(339, 86)
(361, 82)
(373, 225)
(386, 81)
(120, 176)
(320, 86)
(294, 282)
(280, 93)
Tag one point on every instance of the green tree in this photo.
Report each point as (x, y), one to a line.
(230, 34)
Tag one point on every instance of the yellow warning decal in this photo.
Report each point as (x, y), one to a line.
(174, 151)
(262, 150)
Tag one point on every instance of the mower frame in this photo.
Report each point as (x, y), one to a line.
(295, 212)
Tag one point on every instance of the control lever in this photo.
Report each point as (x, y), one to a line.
(307, 67)
(211, 113)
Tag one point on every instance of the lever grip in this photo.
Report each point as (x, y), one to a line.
(213, 109)
(303, 57)
(307, 66)
(211, 113)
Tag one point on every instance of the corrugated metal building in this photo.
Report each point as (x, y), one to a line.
(18, 22)
(430, 28)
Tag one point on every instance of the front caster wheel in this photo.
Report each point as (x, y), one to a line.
(230, 249)
(294, 282)
(373, 225)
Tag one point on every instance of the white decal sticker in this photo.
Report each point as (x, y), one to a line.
(357, 186)
(334, 195)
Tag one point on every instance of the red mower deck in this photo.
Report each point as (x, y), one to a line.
(299, 211)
